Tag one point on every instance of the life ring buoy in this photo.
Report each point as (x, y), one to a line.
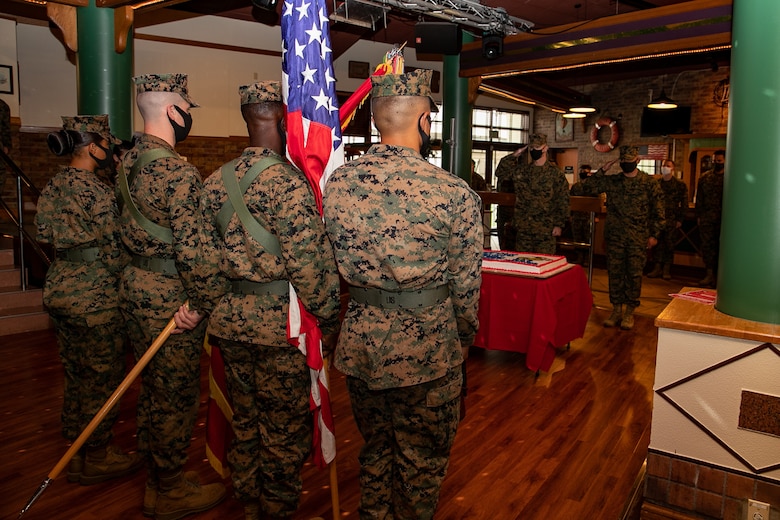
(613, 138)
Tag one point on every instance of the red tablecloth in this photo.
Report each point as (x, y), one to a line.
(533, 315)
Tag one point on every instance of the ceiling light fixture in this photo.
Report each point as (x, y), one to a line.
(573, 115)
(662, 102)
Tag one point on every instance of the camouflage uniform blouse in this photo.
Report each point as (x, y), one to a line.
(542, 201)
(398, 222)
(282, 201)
(675, 195)
(709, 197)
(77, 210)
(166, 191)
(635, 207)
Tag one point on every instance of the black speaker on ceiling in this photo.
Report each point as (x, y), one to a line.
(492, 46)
(437, 38)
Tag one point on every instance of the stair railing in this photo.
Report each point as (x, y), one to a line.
(22, 183)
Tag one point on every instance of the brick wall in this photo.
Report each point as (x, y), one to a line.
(624, 101)
(696, 490)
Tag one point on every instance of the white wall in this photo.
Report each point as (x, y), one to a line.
(49, 78)
(8, 57)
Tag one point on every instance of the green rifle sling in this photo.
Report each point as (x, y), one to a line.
(159, 232)
(236, 204)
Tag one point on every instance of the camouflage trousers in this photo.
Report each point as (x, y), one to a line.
(663, 252)
(272, 423)
(626, 260)
(170, 388)
(709, 232)
(535, 241)
(580, 226)
(94, 361)
(408, 435)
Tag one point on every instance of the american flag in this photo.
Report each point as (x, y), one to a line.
(314, 144)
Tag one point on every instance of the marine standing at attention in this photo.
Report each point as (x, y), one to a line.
(77, 214)
(635, 218)
(159, 218)
(675, 195)
(268, 380)
(408, 242)
(541, 201)
(709, 209)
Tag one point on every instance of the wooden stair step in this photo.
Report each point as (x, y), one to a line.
(28, 322)
(16, 299)
(9, 278)
(6, 259)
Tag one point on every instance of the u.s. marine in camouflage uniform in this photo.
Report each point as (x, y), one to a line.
(541, 201)
(159, 279)
(635, 218)
(709, 207)
(267, 378)
(408, 241)
(77, 214)
(675, 196)
(507, 234)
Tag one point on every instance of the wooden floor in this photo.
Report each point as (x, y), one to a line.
(566, 445)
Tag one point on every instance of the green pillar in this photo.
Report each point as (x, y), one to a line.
(104, 75)
(749, 261)
(456, 145)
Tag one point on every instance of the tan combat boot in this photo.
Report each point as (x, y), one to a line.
(107, 462)
(76, 466)
(150, 493)
(709, 280)
(667, 272)
(656, 272)
(627, 322)
(177, 497)
(615, 317)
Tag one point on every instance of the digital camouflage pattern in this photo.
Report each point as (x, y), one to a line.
(166, 191)
(170, 82)
(267, 377)
(629, 153)
(94, 124)
(261, 92)
(507, 234)
(424, 416)
(675, 197)
(541, 203)
(76, 210)
(282, 201)
(269, 391)
(397, 222)
(5, 126)
(635, 212)
(709, 206)
(414, 83)
(538, 140)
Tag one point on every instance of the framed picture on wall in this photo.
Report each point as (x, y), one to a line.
(6, 79)
(564, 128)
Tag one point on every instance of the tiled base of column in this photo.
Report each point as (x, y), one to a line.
(695, 490)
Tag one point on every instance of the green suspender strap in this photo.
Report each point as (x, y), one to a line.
(236, 204)
(157, 231)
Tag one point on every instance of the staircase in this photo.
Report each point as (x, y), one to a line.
(20, 311)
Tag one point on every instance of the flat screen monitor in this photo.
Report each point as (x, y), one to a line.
(656, 123)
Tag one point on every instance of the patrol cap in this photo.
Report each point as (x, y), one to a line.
(629, 153)
(94, 124)
(415, 83)
(171, 82)
(261, 92)
(538, 140)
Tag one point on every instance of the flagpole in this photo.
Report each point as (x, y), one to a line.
(100, 415)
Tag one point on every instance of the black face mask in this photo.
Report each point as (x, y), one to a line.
(425, 146)
(583, 175)
(536, 154)
(104, 163)
(719, 167)
(628, 167)
(181, 132)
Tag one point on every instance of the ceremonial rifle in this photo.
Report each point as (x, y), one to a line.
(100, 415)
